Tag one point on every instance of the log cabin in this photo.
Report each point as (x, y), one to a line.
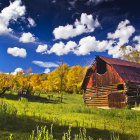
(112, 83)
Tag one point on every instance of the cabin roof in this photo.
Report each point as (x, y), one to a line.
(128, 71)
(114, 61)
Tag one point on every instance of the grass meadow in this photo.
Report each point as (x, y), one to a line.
(45, 118)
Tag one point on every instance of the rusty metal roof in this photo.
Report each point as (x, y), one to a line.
(128, 71)
(119, 62)
(128, 74)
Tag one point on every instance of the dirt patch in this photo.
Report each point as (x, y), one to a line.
(104, 107)
(136, 108)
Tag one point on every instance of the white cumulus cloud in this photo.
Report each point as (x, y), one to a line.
(20, 52)
(12, 12)
(137, 38)
(123, 32)
(85, 47)
(61, 49)
(137, 46)
(47, 70)
(27, 38)
(90, 44)
(120, 37)
(86, 24)
(31, 22)
(17, 70)
(41, 48)
(45, 64)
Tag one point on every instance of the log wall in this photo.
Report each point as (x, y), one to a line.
(94, 79)
(92, 98)
(108, 96)
(105, 89)
(110, 77)
(133, 93)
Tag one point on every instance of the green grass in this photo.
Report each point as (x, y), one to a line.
(20, 116)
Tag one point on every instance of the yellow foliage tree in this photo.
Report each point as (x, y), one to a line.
(22, 82)
(75, 77)
(58, 78)
(5, 82)
(131, 55)
(36, 81)
(61, 79)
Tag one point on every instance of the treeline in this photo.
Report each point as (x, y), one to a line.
(61, 79)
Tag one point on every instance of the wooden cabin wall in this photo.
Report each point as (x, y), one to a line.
(89, 85)
(94, 79)
(109, 96)
(110, 77)
(89, 78)
(102, 89)
(133, 93)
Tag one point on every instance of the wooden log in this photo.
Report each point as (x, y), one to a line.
(92, 100)
(96, 105)
(100, 94)
(97, 102)
(99, 98)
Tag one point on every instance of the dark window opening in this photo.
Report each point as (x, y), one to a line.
(101, 66)
(120, 87)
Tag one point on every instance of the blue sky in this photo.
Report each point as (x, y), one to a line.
(38, 33)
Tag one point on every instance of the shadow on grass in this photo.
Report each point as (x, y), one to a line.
(25, 124)
(31, 98)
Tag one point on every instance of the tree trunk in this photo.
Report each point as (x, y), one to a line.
(4, 90)
(28, 90)
(61, 97)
